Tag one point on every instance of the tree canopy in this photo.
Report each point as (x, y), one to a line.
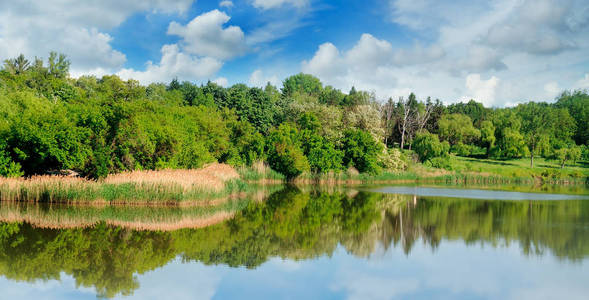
(104, 125)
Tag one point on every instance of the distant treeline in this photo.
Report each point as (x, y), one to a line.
(97, 126)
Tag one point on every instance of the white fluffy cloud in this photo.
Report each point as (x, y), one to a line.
(526, 43)
(481, 90)
(269, 4)
(174, 64)
(538, 26)
(326, 63)
(226, 3)
(205, 36)
(583, 83)
(78, 29)
(552, 89)
(258, 79)
(201, 53)
(74, 27)
(371, 64)
(369, 53)
(222, 81)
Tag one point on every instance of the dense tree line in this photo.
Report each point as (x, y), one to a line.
(554, 131)
(97, 126)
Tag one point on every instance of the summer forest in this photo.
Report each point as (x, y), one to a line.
(307, 149)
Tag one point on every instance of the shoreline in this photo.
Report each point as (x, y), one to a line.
(217, 183)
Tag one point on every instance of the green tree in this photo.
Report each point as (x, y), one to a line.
(456, 128)
(323, 156)
(354, 98)
(536, 125)
(474, 110)
(577, 104)
(361, 151)
(284, 151)
(247, 143)
(262, 112)
(570, 153)
(510, 142)
(488, 135)
(59, 65)
(302, 83)
(42, 136)
(563, 128)
(9, 168)
(321, 153)
(427, 146)
(17, 65)
(367, 118)
(331, 96)
(217, 93)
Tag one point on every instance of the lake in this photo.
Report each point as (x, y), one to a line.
(393, 242)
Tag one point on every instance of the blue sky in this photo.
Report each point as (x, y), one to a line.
(452, 270)
(498, 52)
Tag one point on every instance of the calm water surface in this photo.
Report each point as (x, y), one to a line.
(390, 243)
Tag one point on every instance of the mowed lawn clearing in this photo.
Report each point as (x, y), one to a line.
(521, 167)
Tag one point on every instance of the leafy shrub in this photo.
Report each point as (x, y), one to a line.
(585, 153)
(427, 146)
(461, 149)
(440, 163)
(361, 151)
(284, 151)
(571, 153)
(323, 157)
(457, 128)
(247, 145)
(514, 144)
(9, 168)
(392, 159)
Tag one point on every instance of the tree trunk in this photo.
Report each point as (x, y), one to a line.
(532, 158)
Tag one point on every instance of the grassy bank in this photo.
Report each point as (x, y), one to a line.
(72, 191)
(212, 184)
(217, 182)
(463, 170)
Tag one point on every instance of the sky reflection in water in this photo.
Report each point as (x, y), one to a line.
(434, 248)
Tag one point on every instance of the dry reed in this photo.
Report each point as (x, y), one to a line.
(67, 222)
(211, 177)
(56, 216)
(137, 187)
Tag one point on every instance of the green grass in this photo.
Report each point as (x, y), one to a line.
(123, 193)
(465, 170)
(520, 168)
(258, 174)
(362, 177)
(459, 170)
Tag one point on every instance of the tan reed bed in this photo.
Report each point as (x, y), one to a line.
(211, 177)
(168, 187)
(55, 216)
(190, 223)
(67, 223)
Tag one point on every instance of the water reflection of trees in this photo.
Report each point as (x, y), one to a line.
(560, 227)
(295, 225)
